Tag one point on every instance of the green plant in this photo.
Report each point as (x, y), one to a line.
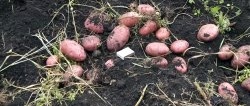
(244, 74)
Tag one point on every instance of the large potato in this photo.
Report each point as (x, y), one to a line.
(179, 46)
(129, 19)
(72, 50)
(246, 84)
(228, 92)
(52, 61)
(226, 52)
(146, 9)
(162, 34)
(208, 32)
(180, 64)
(149, 27)
(157, 49)
(118, 38)
(95, 22)
(91, 43)
(73, 70)
(240, 60)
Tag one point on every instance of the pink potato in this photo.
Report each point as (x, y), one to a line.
(160, 62)
(239, 60)
(228, 92)
(157, 49)
(246, 84)
(129, 19)
(149, 27)
(91, 43)
(244, 49)
(162, 34)
(72, 50)
(208, 32)
(109, 64)
(95, 22)
(179, 46)
(226, 52)
(146, 9)
(52, 61)
(118, 38)
(180, 64)
(74, 70)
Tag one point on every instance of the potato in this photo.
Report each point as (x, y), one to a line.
(226, 52)
(109, 63)
(180, 64)
(91, 43)
(146, 9)
(179, 46)
(228, 92)
(246, 84)
(157, 49)
(244, 49)
(208, 32)
(72, 50)
(95, 22)
(159, 62)
(129, 19)
(52, 61)
(239, 60)
(118, 38)
(93, 76)
(149, 27)
(73, 70)
(162, 34)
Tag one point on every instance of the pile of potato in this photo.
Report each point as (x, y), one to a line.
(158, 50)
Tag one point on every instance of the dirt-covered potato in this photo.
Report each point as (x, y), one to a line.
(73, 70)
(91, 43)
(118, 38)
(179, 46)
(129, 19)
(162, 34)
(180, 64)
(149, 27)
(72, 50)
(157, 49)
(208, 32)
(110, 63)
(246, 84)
(146, 9)
(240, 60)
(226, 52)
(159, 62)
(228, 92)
(95, 22)
(52, 61)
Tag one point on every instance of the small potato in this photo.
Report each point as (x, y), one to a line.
(52, 61)
(149, 27)
(72, 50)
(246, 84)
(226, 52)
(228, 92)
(239, 60)
(93, 76)
(95, 22)
(118, 38)
(109, 64)
(74, 70)
(179, 46)
(180, 64)
(146, 9)
(91, 43)
(129, 19)
(162, 34)
(157, 49)
(244, 49)
(160, 62)
(208, 32)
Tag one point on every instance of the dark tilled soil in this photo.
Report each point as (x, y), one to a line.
(122, 85)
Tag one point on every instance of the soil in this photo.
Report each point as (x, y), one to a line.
(121, 85)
